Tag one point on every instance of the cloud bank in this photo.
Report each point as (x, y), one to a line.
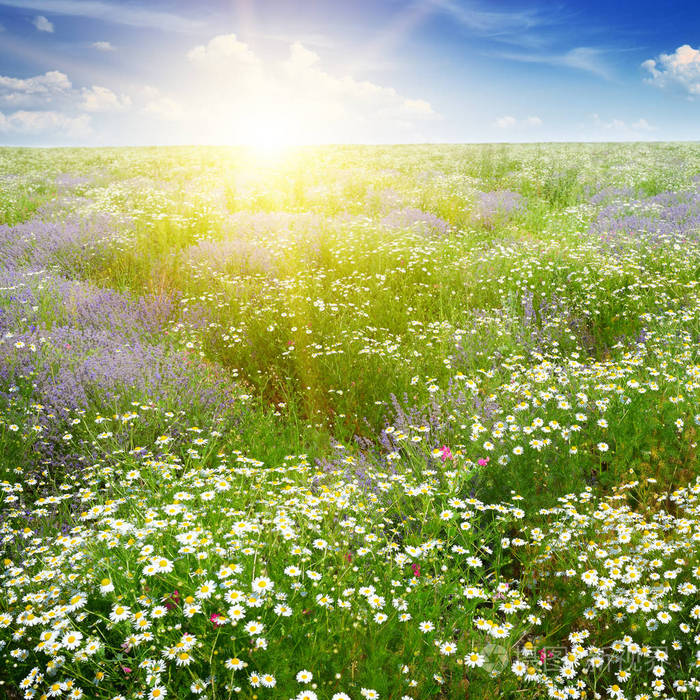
(680, 69)
(509, 122)
(227, 92)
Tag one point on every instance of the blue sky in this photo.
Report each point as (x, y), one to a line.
(99, 72)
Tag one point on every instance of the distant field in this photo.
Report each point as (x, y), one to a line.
(350, 422)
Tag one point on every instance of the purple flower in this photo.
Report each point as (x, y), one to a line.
(499, 204)
(410, 217)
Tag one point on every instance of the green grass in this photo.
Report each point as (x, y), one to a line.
(402, 379)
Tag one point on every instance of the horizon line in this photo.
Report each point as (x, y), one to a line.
(351, 144)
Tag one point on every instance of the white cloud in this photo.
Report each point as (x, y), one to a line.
(300, 58)
(222, 49)
(620, 126)
(505, 122)
(102, 99)
(102, 46)
(303, 68)
(241, 97)
(642, 125)
(585, 58)
(53, 90)
(509, 122)
(47, 108)
(681, 69)
(42, 24)
(418, 108)
(45, 122)
(49, 82)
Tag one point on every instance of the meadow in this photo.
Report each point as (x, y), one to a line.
(350, 422)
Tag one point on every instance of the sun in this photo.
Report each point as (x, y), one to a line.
(269, 141)
(270, 134)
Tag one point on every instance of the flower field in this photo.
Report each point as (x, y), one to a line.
(356, 422)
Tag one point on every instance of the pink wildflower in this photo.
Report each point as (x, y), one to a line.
(172, 600)
(446, 453)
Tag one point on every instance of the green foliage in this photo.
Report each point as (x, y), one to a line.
(426, 421)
